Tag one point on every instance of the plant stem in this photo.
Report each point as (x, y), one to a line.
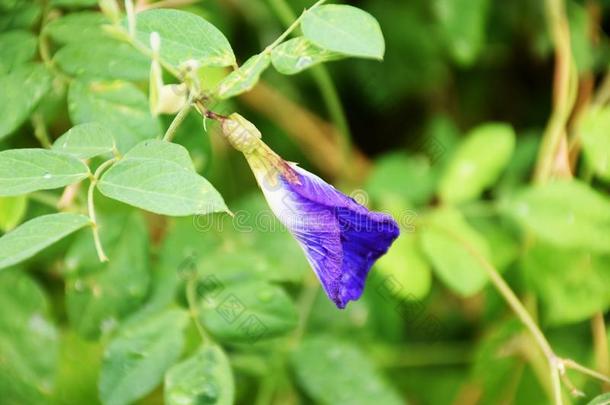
(191, 297)
(585, 370)
(518, 308)
(178, 119)
(91, 208)
(292, 27)
(40, 130)
(564, 89)
(326, 86)
(600, 344)
(305, 304)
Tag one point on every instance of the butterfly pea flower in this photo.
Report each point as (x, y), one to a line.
(341, 238)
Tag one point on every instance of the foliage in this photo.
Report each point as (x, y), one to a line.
(140, 264)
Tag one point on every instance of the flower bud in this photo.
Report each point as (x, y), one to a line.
(241, 133)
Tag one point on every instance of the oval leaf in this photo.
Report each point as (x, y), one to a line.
(119, 105)
(36, 234)
(29, 341)
(158, 176)
(248, 312)
(335, 372)
(185, 37)
(344, 29)
(107, 59)
(595, 134)
(85, 26)
(100, 295)
(137, 358)
(25, 170)
(85, 141)
(564, 213)
(298, 54)
(443, 241)
(603, 399)
(477, 163)
(405, 264)
(22, 90)
(463, 25)
(204, 377)
(572, 285)
(244, 78)
(12, 211)
(16, 47)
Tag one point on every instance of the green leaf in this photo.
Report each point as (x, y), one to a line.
(100, 295)
(79, 366)
(16, 47)
(463, 23)
(335, 372)
(344, 29)
(298, 54)
(398, 176)
(25, 170)
(564, 213)
(121, 106)
(36, 234)
(74, 3)
(22, 90)
(86, 141)
(108, 59)
(407, 266)
(158, 176)
(184, 37)
(572, 285)
(603, 399)
(477, 163)
(12, 211)
(502, 241)
(137, 358)
(445, 237)
(245, 78)
(19, 15)
(83, 27)
(594, 131)
(204, 377)
(248, 312)
(28, 341)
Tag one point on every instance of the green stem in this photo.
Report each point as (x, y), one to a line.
(40, 130)
(513, 301)
(91, 208)
(571, 364)
(292, 26)
(178, 119)
(325, 85)
(565, 89)
(305, 304)
(191, 297)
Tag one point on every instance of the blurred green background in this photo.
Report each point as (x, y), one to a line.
(446, 132)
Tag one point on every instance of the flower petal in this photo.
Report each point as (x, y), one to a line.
(341, 238)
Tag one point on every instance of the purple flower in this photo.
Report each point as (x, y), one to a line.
(341, 238)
